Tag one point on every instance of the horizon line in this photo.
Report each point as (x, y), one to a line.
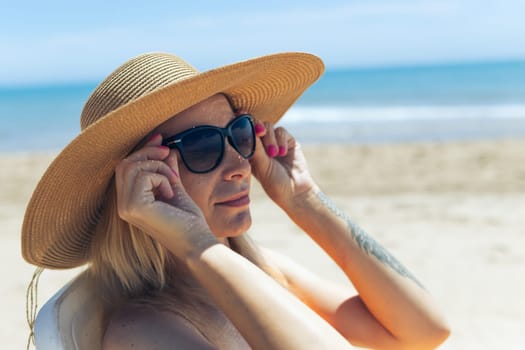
(16, 85)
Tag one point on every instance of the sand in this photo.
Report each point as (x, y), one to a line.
(454, 213)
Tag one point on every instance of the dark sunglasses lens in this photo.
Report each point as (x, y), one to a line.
(243, 137)
(202, 149)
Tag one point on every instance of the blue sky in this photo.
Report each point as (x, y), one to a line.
(67, 41)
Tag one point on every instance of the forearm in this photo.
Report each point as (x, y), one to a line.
(267, 315)
(390, 292)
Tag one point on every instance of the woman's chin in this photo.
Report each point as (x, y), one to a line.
(234, 227)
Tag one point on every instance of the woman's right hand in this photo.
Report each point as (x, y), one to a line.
(151, 196)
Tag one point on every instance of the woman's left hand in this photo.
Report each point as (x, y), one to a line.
(279, 164)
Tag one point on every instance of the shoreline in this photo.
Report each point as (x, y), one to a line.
(469, 166)
(317, 127)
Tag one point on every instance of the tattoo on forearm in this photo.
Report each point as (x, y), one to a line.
(367, 243)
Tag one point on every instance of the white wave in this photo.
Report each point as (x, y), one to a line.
(385, 113)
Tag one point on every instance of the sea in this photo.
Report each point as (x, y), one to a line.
(421, 103)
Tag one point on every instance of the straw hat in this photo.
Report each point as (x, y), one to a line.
(62, 215)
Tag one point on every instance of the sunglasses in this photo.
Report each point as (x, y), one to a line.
(202, 147)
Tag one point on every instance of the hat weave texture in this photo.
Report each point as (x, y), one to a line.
(62, 215)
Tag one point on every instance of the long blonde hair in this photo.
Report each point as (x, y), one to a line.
(128, 266)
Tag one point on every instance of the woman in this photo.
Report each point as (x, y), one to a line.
(154, 195)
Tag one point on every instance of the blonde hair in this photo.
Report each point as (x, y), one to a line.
(128, 266)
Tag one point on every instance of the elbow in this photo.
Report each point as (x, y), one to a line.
(438, 333)
(441, 335)
(430, 339)
(438, 337)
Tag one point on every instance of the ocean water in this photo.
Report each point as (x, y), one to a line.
(400, 104)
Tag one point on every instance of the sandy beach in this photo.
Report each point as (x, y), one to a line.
(454, 213)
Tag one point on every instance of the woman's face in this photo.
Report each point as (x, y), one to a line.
(222, 194)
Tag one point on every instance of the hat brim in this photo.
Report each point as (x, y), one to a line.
(65, 207)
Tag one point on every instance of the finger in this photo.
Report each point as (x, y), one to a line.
(127, 173)
(259, 127)
(181, 197)
(260, 160)
(154, 184)
(282, 137)
(142, 193)
(149, 152)
(154, 140)
(269, 141)
(172, 160)
(152, 166)
(240, 111)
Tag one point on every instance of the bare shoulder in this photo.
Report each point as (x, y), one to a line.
(142, 327)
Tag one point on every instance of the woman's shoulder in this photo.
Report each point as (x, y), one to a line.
(145, 327)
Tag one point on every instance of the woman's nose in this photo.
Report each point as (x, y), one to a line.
(235, 165)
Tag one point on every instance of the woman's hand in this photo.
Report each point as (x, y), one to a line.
(279, 165)
(151, 196)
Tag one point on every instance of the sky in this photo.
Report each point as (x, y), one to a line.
(50, 41)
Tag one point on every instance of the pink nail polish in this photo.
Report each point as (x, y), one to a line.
(153, 137)
(175, 173)
(282, 151)
(272, 150)
(259, 128)
(164, 147)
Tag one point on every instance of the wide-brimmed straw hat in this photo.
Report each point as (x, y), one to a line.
(65, 207)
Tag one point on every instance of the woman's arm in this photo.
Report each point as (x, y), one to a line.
(392, 309)
(392, 305)
(267, 315)
(152, 197)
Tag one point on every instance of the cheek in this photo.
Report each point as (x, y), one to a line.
(199, 188)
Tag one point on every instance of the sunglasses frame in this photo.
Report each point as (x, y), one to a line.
(175, 141)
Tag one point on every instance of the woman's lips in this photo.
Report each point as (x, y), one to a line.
(237, 202)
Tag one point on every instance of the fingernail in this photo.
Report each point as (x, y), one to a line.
(282, 151)
(153, 137)
(272, 150)
(175, 173)
(164, 147)
(259, 128)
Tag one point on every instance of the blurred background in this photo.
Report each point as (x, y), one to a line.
(400, 70)
(417, 129)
